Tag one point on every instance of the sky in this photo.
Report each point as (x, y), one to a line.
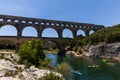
(101, 12)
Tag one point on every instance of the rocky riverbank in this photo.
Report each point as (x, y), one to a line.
(103, 50)
(10, 70)
(111, 50)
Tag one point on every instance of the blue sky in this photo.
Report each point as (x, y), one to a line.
(103, 12)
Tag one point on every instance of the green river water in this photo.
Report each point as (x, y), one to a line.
(91, 68)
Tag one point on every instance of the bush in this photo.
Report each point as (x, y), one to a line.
(31, 53)
(45, 63)
(64, 69)
(51, 76)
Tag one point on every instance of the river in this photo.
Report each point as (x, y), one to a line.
(91, 69)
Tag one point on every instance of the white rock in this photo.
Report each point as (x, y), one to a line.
(8, 78)
(28, 75)
(20, 66)
(2, 73)
(4, 64)
(32, 68)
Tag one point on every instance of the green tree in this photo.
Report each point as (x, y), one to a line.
(31, 53)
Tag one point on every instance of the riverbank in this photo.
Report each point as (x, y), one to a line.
(102, 50)
(73, 53)
(76, 54)
(91, 68)
(11, 70)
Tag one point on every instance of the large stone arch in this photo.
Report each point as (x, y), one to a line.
(91, 31)
(29, 31)
(80, 32)
(57, 43)
(49, 32)
(8, 30)
(67, 33)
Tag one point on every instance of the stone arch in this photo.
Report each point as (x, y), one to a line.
(29, 31)
(1, 19)
(8, 20)
(80, 32)
(16, 21)
(8, 30)
(91, 31)
(54, 52)
(52, 44)
(50, 32)
(67, 33)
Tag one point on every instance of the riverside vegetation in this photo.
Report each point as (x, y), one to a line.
(31, 52)
(37, 65)
(107, 35)
(100, 39)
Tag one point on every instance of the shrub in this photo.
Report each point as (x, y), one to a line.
(45, 63)
(31, 53)
(51, 76)
(64, 69)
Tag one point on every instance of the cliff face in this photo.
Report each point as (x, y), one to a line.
(107, 50)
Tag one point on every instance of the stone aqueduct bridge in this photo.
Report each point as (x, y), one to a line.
(40, 24)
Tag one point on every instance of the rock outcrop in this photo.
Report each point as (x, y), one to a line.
(107, 50)
(10, 70)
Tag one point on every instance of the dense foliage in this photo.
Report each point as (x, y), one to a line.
(31, 53)
(108, 35)
(105, 35)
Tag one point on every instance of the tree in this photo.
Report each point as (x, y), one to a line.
(31, 53)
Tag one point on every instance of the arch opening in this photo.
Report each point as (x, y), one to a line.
(8, 20)
(1, 20)
(67, 33)
(91, 32)
(51, 47)
(29, 31)
(49, 32)
(8, 30)
(16, 21)
(80, 32)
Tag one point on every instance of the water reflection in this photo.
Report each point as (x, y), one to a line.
(54, 58)
(92, 69)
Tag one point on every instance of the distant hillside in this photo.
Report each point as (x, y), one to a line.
(108, 35)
